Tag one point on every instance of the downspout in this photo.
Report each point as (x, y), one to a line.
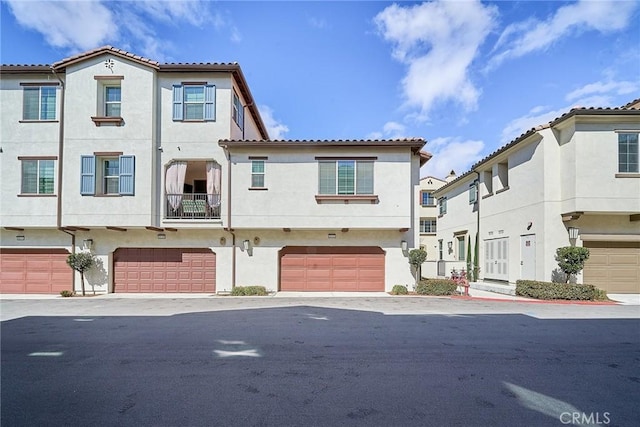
(228, 227)
(477, 223)
(60, 163)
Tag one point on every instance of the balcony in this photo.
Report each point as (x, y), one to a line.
(192, 206)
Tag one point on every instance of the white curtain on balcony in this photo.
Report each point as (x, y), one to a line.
(214, 173)
(174, 183)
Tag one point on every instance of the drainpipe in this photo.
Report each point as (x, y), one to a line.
(228, 227)
(478, 220)
(60, 166)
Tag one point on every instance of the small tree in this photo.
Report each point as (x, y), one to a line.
(571, 259)
(469, 271)
(416, 258)
(476, 269)
(81, 262)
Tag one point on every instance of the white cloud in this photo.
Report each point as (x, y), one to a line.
(275, 129)
(451, 154)
(318, 23)
(521, 38)
(438, 42)
(390, 130)
(604, 89)
(78, 25)
(535, 117)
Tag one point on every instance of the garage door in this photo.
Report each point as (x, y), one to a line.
(164, 270)
(613, 266)
(34, 271)
(331, 269)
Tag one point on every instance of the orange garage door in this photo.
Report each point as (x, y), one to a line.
(305, 268)
(34, 271)
(613, 266)
(164, 270)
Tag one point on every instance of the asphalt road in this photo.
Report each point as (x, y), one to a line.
(298, 363)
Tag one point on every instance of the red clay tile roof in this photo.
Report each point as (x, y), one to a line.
(59, 65)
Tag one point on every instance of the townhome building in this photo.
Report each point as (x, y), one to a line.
(428, 224)
(572, 181)
(166, 173)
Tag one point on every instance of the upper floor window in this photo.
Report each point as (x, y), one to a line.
(345, 177)
(238, 111)
(108, 174)
(37, 176)
(473, 192)
(628, 152)
(112, 101)
(442, 202)
(427, 225)
(39, 103)
(427, 199)
(194, 102)
(257, 173)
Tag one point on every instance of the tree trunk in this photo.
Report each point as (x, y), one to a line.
(82, 282)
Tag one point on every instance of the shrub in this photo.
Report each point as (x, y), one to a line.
(249, 291)
(563, 291)
(399, 290)
(66, 293)
(436, 287)
(416, 258)
(571, 259)
(81, 262)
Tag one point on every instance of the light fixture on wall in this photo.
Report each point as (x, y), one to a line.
(404, 245)
(20, 237)
(450, 246)
(245, 245)
(223, 241)
(161, 236)
(87, 244)
(573, 232)
(331, 235)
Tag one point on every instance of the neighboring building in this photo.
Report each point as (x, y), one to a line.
(576, 174)
(118, 154)
(428, 223)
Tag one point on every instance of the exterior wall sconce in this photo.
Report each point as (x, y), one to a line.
(450, 246)
(573, 233)
(245, 245)
(223, 241)
(331, 236)
(162, 236)
(404, 245)
(87, 244)
(20, 237)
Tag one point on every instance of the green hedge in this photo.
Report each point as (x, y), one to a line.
(564, 291)
(249, 291)
(399, 290)
(436, 287)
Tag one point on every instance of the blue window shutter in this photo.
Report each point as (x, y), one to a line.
(177, 102)
(87, 175)
(127, 175)
(210, 102)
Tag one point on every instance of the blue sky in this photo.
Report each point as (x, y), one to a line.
(468, 76)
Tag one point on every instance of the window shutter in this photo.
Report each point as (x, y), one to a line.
(240, 115)
(177, 102)
(127, 174)
(210, 102)
(87, 175)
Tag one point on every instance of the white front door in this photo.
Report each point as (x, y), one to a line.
(528, 257)
(496, 252)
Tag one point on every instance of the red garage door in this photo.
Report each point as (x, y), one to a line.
(34, 271)
(164, 270)
(305, 268)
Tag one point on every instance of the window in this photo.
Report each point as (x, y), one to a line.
(194, 102)
(461, 248)
(112, 101)
(346, 177)
(107, 175)
(37, 176)
(238, 111)
(442, 202)
(257, 173)
(39, 103)
(427, 199)
(473, 192)
(628, 152)
(427, 225)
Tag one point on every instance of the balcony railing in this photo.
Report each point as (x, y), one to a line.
(192, 206)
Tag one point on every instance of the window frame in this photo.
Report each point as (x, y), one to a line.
(442, 205)
(237, 110)
(260, 175)
(52, 89)
(431, 201)
(107, 103)
(432, 228)
(179, 102)
(461, 247)
(38, 184)
(628, 152)
(348, 183)
(93, 179)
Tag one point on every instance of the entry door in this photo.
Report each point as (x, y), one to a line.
(528, 257)
(496, 259)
